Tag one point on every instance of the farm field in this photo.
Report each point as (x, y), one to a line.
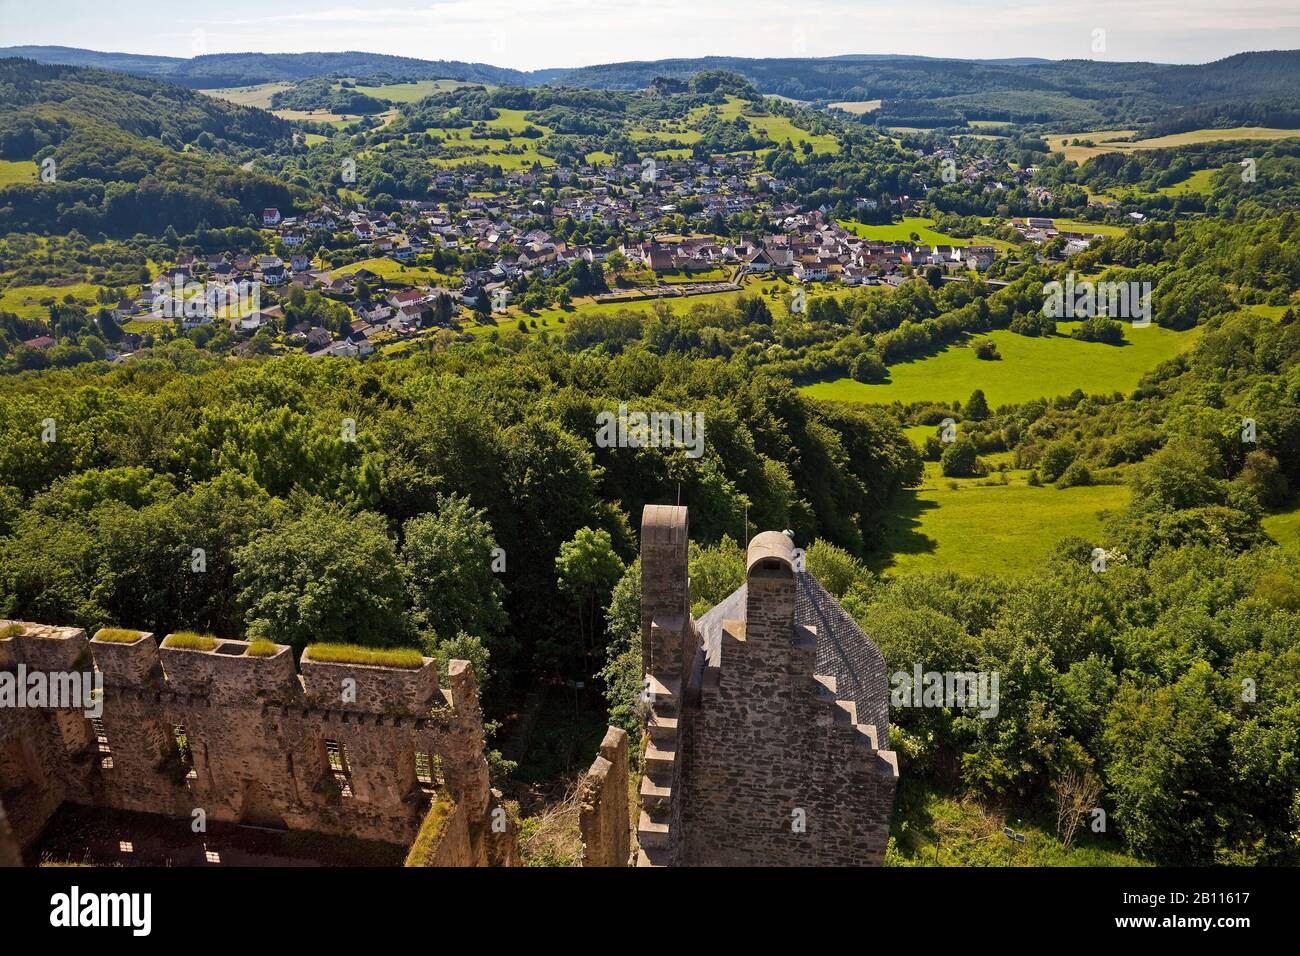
(258, 95)
(1030, 368)
(857, 107)
(966, 525)
(16, 171)
(1105, 141)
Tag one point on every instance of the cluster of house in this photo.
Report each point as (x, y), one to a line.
(499, 219)
(810, 247)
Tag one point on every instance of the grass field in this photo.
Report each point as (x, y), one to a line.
(16, 171)
(549, 319)
(510, 123)
(972, 526)
(1104, 142)
(25, 301)
(1030, 368)
(258, 95)
(857, 107)
(934, 829)
(924, 229)
(409, 92)
(395, 271)
(1284, 528)
(779, 128)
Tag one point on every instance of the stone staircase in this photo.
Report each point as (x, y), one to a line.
(653, 830)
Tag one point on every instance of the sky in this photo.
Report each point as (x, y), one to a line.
(532, 34)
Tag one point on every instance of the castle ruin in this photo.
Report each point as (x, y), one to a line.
(348, 750)
(767, 721)
(766, 734)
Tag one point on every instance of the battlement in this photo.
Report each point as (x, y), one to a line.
(241, 731)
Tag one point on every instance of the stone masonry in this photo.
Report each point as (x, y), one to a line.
(754, 754)
(602, 805)
(342, 749)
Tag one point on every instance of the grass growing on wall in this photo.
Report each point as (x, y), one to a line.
(261, 647)
(118, 635)
(190, 641)
(404, 657)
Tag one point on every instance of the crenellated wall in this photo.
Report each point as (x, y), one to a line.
(752, 756)
(325, 747)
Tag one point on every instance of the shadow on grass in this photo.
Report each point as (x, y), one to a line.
(902, 533)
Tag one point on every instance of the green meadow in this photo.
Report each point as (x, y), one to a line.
(979, 526)
(1284, 528)
(1030, 368)
(923, 228)
(33, 301)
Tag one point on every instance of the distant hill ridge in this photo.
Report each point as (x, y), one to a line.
(877, 75)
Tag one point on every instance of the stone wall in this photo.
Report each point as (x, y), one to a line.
(602, 805)
(344, 749)
(780, 771)
(753, 757)
(443, 839)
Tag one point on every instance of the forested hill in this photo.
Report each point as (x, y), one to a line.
(1248, 88)
(215, 70)
(1246, 75)
(41, 105)
(130, 154)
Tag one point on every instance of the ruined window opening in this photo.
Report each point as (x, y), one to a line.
(101, 742)
(340, 767)
(184, 752)
(428, 770)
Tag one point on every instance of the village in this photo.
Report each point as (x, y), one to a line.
(506, 231)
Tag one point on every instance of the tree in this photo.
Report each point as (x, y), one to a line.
(977, 407)
(326, 574)
(451, 565)
(588, 569)
(959, 460)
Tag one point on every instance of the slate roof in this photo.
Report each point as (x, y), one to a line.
(843, 650)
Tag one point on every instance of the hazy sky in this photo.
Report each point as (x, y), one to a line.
(545, 33)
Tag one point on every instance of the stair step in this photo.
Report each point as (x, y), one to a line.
(660, 757)
(824, 686)
(662, 727)
(656, 792)
(650, 834)
(654, 856)
(845, 713)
